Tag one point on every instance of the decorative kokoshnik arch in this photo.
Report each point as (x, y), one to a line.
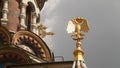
(5, 37)
(34, 42)
(13, 55)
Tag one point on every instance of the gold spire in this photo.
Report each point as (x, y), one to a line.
(78, 26)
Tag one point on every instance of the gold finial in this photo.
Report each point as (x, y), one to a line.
(77, 26)
(42, 31)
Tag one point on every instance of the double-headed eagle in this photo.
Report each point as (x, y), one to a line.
(77, 25)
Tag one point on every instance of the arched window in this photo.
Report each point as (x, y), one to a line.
(29, 11)
(1, 6)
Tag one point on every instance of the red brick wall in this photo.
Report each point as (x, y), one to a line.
(13, 15)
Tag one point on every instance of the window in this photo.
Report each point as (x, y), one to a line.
(1, 6)
(28, 17)
(29, 11)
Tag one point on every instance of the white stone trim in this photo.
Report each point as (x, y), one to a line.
(4, 18)
(23, 5)
(37, 11)
(34, 18)
(23, 16)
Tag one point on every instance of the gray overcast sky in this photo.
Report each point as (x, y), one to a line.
(101, 44)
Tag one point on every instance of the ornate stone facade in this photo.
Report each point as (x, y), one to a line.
(19, 42)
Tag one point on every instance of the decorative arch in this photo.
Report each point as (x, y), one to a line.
(39, 47)
(32, 6)
(13, 55)
(5, 37)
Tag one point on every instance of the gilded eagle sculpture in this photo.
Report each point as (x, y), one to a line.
(77, 26)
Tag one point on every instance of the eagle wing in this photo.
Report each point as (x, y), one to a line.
(84, 26)
(70, 27)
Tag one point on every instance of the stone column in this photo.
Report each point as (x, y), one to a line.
(34, 25)
(23, 16)
(4, 18)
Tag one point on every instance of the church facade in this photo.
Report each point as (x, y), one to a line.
(20, 37)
